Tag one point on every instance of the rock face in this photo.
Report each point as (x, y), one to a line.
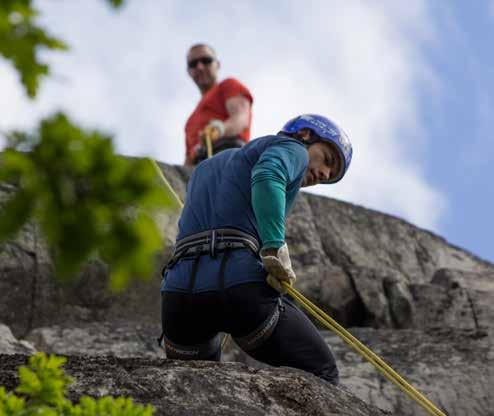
(425, 305)
(201, 388)
(452, 368)
(456, 299)
(361, 264)
(10, 345)
(118, 338)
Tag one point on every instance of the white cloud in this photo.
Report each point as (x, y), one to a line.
(359, 63)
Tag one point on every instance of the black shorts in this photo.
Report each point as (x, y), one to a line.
(197, 319)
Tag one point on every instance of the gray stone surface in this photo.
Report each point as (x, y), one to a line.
(203, 389)
(373, 248)
(118, 338)
(457, 299)
(453, 368)
(10, 345)
(358, 237)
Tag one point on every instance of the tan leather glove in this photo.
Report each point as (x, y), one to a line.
(279, 268)
(214, 130)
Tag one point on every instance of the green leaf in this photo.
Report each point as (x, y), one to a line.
(43, 385)
(15, 213)
(30, 383)
(10, 404)
(120, 406)
(115, 3)
(21, 40)
(86, 198)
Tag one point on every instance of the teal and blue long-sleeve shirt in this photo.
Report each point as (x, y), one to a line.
(276, 180)
(250, 189)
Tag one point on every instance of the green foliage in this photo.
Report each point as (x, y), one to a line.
(86, 199)
(44, 380)
(20, 40)
(115, 3)
(43, 388)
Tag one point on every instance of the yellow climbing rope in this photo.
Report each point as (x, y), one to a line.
(165, 182)
(334, 326)
(360, 348)
(209, 145)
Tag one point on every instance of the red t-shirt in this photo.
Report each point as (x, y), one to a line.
(213, 106)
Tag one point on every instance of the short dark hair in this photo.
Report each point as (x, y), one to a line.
(202, 45)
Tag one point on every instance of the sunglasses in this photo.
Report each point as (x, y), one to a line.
(205, 60)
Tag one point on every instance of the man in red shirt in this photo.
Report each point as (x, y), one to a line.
(224, 111)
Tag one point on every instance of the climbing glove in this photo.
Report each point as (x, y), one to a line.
(279, 268)
(214, 130)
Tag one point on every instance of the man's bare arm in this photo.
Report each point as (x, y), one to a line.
(238, 109)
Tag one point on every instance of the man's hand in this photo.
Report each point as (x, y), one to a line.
(279, 267)
(214, 130)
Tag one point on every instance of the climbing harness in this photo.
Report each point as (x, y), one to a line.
(211, 242)
(202, 351)
(360, 348)
(265, 329)
(257, 337)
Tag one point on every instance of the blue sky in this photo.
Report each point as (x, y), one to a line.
(460, 120)
(411, 82)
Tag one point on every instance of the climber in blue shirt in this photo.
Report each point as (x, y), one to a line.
(231, 254)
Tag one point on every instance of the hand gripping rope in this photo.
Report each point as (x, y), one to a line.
(346, 336)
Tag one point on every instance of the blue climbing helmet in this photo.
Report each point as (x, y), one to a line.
(327, 131)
